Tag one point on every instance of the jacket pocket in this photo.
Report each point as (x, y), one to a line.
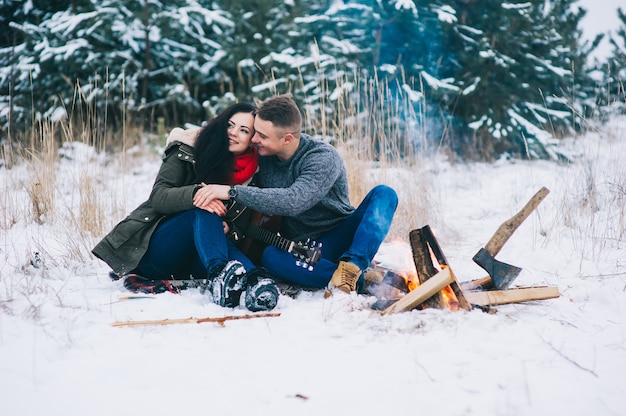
(130, 227)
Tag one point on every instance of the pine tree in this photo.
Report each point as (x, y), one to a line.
(616, 76)
(382, 46)
(516, 64)
(142, 56)
(17, 65)
(500, 77)
(257, 49)
(332, 46)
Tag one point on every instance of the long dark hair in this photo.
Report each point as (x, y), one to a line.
(214, 163)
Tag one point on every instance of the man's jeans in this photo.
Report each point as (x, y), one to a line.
(190, 243)
(356, 240)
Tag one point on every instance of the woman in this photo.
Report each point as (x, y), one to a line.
(172, 236)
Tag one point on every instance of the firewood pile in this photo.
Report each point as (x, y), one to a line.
(438, 286)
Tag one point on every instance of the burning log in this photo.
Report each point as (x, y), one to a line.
(441, 259)
(423, 264)
(422, 293)
(438, 288)
(392, 287)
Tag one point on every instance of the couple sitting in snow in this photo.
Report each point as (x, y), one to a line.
(186, 233)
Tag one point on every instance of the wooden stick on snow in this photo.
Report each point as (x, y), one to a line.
(220, 320)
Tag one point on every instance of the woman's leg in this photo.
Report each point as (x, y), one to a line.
(190, 243)
(235, 254)
(172, 250)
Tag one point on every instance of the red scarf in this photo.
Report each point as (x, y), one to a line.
(245, 166)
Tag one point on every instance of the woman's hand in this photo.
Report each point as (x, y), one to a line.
(205, 198)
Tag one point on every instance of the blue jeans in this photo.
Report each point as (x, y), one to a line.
(356, 240)
(189, 244)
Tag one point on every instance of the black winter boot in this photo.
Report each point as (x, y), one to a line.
(261, 291)
(228, 285)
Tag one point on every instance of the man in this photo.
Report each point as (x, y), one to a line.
(305, 181)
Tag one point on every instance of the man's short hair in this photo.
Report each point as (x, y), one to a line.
(283, 112)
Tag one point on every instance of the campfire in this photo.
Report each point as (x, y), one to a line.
(438, 286)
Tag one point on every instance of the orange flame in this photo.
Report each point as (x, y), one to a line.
(407, 270)
(447, 297)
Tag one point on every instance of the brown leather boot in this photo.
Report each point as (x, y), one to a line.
(344, 278)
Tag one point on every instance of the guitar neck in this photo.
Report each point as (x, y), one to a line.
(268, 237)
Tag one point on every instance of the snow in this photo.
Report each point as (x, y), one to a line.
(60, 354)
(406, 5)
(343, 47)
(435, 83)
(557, 71)
(446, 14)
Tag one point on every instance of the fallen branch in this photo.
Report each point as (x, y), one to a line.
(220, 320)
(568, 359)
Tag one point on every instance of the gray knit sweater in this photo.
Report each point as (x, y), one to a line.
(310, 190)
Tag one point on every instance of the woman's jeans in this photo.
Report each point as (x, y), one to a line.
(355, 240)
(188, 245)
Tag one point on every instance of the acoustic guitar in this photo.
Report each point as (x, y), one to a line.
(262, 230)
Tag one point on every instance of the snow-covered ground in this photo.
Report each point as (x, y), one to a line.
(60, 354)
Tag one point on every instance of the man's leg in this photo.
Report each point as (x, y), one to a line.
(282, 265)
(354, 241)
(365, 229)
(373, 219)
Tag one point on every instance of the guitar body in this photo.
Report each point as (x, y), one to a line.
(253, 248)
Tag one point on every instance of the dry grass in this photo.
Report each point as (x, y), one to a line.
(63, 157)
(593, 204)
(378, 134)
(41, 159)
(91, 213)
(370, 131)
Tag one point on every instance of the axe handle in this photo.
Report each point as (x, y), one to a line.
(504, 232)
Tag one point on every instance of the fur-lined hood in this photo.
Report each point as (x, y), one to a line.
(187, 137)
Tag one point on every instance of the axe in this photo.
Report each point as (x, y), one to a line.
(503, 274)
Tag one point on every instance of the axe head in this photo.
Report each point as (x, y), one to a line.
(502, 274)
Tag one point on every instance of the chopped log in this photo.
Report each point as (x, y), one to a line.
(517, 295)
(219, 320)
(382, 304)
(421, 293)
(484, 283)
(423, 264)
(438, 252)
(385, 291)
